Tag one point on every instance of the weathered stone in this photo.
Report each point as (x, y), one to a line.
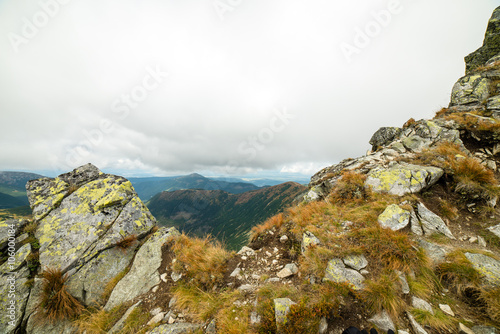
(433, 251)
(417, 329)
(484, 330)
(323, 326)
(15, 226)
(246, 251)
(281, 309)
(19, 260)
(402, 178)
(143, 274)
(415, 143)
(384, 136)
(178, 328)
(493, 102)
(421, 304)
(236, 273)
(495, 230)
(211, 328)
(470, 89)
(309, 240)
(283, 239)
(35, 326)
(89, 283)
(16, 281)
(486, 266)
(383, 321)
(289, 270)
(156, 319)
(405, 288)
(338, 273)
(447, 309)
(462, 329)
(45, 194)
(355, 261)
(247, 288)
(394, 218)
(432, 223)
(94, 217)
(415, 226)
(176, 276)
(481, 241)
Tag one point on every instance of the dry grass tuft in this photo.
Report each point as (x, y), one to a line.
(438, 321)
(492, 300)
(55, 302)
(384, 293)
(350, 187)
(202, 260)
(99, 321)
(458, 273)
(275, 221)
(126, 241)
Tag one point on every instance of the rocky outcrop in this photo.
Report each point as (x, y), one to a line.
(90, 226)
(491, 45)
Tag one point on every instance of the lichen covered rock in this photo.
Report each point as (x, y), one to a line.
(402, 178)
(338, 273)
(470, 89)
(486, 266)
(394, 217)
(143, 274)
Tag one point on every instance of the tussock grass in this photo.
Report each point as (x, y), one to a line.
(492, 300)
(30, 228)
(55, 302)
(438, 321)
(384, 293)
(99, 321)
(274, 221)
(350, 187)
(389, 249)
(201, 260)
(447, 209)
(458, 273)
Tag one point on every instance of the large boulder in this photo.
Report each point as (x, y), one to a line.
(402, 178)
(432, 223)
(491, 44)
(92, 218)
(144, 273)
(14, 294)
(471, 89)
(384, 136)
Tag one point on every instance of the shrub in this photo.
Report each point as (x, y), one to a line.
(55, 302)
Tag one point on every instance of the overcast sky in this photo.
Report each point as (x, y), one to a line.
(165, 87)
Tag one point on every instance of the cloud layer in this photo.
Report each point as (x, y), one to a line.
(168, 87)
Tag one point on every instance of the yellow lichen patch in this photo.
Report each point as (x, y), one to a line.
(116, 196)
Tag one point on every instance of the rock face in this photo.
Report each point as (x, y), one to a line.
(491, 44)
(401, 179)
(144, 272)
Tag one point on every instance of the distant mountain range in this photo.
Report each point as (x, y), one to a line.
(12, 188)
(229, 217)
(149, 186)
